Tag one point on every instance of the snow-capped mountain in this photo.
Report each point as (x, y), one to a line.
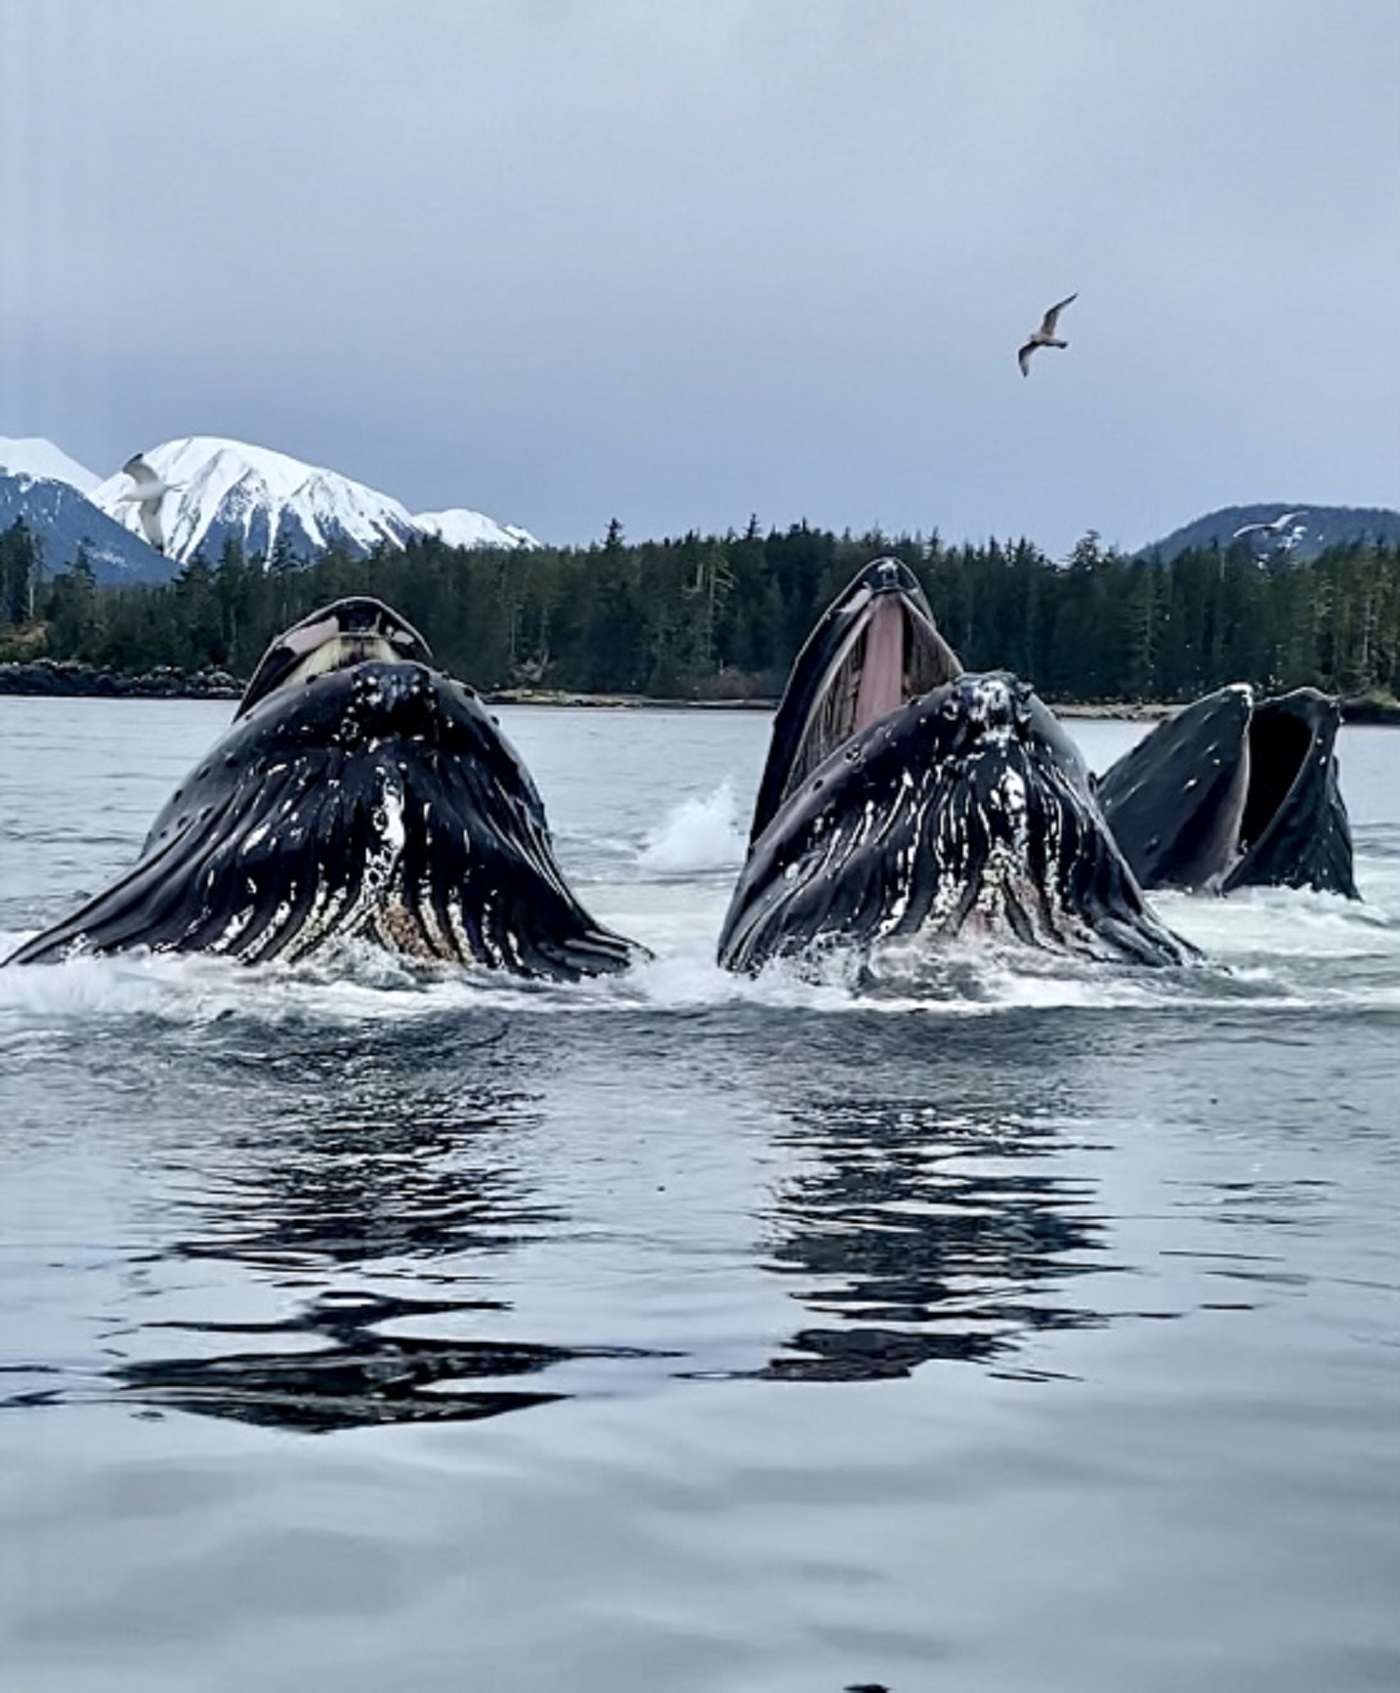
(32, 455)
(221, 488)
(226, 488)
(462, 527)
(265, 499)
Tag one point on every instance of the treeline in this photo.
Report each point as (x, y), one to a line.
(714, 616)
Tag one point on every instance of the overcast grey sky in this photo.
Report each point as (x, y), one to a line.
(681, 260)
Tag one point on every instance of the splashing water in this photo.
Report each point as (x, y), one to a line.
(1265, 949)
(701, 833)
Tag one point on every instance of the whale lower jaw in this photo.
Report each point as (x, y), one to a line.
(1010, 909)
(957, 882)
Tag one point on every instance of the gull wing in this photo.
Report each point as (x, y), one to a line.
(141, 473)
(1023, 357)
(1052, 317)
(149, 513)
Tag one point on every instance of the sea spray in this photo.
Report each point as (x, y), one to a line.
(701, 833)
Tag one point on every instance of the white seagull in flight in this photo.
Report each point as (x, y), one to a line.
(146, 495)
(1045, 335)
(1277, 527)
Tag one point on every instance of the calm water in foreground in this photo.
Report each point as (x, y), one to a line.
(1031, 1328)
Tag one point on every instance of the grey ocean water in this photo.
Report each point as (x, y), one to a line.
(1021, 1327)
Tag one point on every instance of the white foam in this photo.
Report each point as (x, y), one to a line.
(1291, 923)
(1267, 950)
(701, 833)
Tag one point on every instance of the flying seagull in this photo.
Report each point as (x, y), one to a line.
(146, 494)
(1277, 527)
(1045, 335)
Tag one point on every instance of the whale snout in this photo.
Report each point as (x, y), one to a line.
(994, 698)
(379, 701)
(992, 707)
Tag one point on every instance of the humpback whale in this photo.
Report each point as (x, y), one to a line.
(358, 793)
(903, 796)
(1230, 793)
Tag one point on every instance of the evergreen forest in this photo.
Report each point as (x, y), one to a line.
(721, 616)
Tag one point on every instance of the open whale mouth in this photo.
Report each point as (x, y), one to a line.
(1293, 827)
(1232, 792)
(1277, 750)
(352, 631)
(876, 648)
(892, 654)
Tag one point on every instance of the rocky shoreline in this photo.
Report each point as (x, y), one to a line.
(1368, 709)
(1145, 710)
(48, 678)
(620, 702)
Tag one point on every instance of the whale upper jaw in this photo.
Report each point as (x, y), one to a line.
(352, 631)
(875, 648)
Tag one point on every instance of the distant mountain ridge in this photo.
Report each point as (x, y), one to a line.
(267, 499)
(1310, 531)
